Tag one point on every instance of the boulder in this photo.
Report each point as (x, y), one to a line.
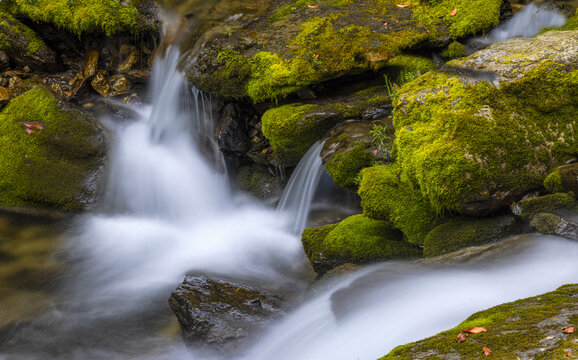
(259, 181)
(534, 205)
(551, 224)
(24, 47)
(221, 315)
(51, 155)
(563, 179)
(525, 329)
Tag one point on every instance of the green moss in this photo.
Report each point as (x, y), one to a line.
(531, 207)
(402, 67)
(563, 179)
(553, 182)
(460, 143)
(454, 50)
(515, 330)
(545, 223)
(288, 9)
(50, 167)
(458, 233)
(82, 16)
(386, 194)
(11, 27)
(345, 167)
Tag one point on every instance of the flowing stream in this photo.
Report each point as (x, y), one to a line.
(167, 210)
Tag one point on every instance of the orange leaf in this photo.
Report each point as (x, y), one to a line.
(454, 12)
(476, 329)
(568, 354)
(32, 126)
(569, 330)
(487, 351)
(401, 5)
(312, 6)
(462, 337)
(384, 24)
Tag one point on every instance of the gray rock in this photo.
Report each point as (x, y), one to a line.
(4, 61)
(551, 224)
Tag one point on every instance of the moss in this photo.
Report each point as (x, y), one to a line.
(545, 223)
(462, 232)
(258, 181)
(460, 142)
(288, 9)
(408, 67)
(49, 167)
(82, 16)
(357, 239)
(553, 182)
(515, 330)
(386, 194)
(345, 167)
(29, 44)
(454, 50)
(531, 207)
(563, 179)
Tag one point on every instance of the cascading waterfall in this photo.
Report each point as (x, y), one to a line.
(298, 195)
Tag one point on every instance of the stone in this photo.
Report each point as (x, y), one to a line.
(131, 57)
(551, 224)
(222, 316)
(120, 85)
(101, 84)
(231, 132)
(4, 96)
(4, 60)
(259, 182)
(91, 63)
(563, 179)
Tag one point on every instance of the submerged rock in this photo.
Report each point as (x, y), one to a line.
(524, 329)
(221, 315)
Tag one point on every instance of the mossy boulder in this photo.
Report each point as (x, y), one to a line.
(532, 206)
(551, 224)
(386, 194)
(462, 232)
(23, 46)
(259, 182)
(293, 46)
(293, 128)
(51, 155)
(563, 179)
(525, 329)
(476, 139)
(358, 240)
(454, 50)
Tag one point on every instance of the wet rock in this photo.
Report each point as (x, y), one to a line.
(101, 84)
(139, 75)
(231, 131)
(258, 181)
(551, 224)
(24, 47)
(91, 63)
(4, 60)
(534, 205)
(120, 85)
(4, 96)
(220, 315)
(131, 57)
(67, 85)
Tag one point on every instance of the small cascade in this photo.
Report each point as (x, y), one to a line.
(526, 23)
(296, 199)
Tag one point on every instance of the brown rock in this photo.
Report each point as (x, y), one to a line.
(91, 63)
(100, 84)
(4, 61)
(132, 57)
(4, 96)
(138, 75)
(120, 85)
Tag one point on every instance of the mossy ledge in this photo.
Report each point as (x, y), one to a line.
(50, 155)
(526, 329)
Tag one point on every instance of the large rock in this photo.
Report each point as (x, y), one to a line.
(531, 328)
(477, 137)
(293, 46)
(551, 224)
(221, 315)
(51, 155)
(24, 47)
(563, 179)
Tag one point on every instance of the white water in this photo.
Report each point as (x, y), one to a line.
(297, 197)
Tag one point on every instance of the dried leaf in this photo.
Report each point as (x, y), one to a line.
(476, 330)
(454, 12)
(384, 24)
(32, 126)
(312, 6)
(462, 337)
(487, 351)
(401, 5)
(569, 330)
(568, 354)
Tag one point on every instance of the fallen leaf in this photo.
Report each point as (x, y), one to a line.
(384, 24)
(569, 330)
(312, 6)
(476, 329)
(401, 5)
(32, 126)
(454, 12)
(487, 351)
(462, 337)
(375, 152)
(568, 354)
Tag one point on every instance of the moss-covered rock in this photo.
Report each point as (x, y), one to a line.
(525, 329)
(474, 146)
(462, 232)
(50, 155)
(563, 179)
(454, 50)
(357, 239)
(23, 46)
(296, 46)
(259, 182)
(535, 205)
(551, 224)
(387, 195)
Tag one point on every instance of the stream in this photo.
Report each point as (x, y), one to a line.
(96, 286)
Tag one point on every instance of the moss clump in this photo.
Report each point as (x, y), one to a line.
(527, 329)
(563, 179)
(258, 181)
(533, 206)
(460, 143)
(82, 16)
(545, 223)
(357, 239)
(15, 36)
(386, 194)
(458, 233)
(404, 68)
(553, 182)
(345, 167)
(454, 50)
(51, 165)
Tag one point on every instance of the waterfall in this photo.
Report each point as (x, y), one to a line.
(296, 199)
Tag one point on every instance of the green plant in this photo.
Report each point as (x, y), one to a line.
(381, 141)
